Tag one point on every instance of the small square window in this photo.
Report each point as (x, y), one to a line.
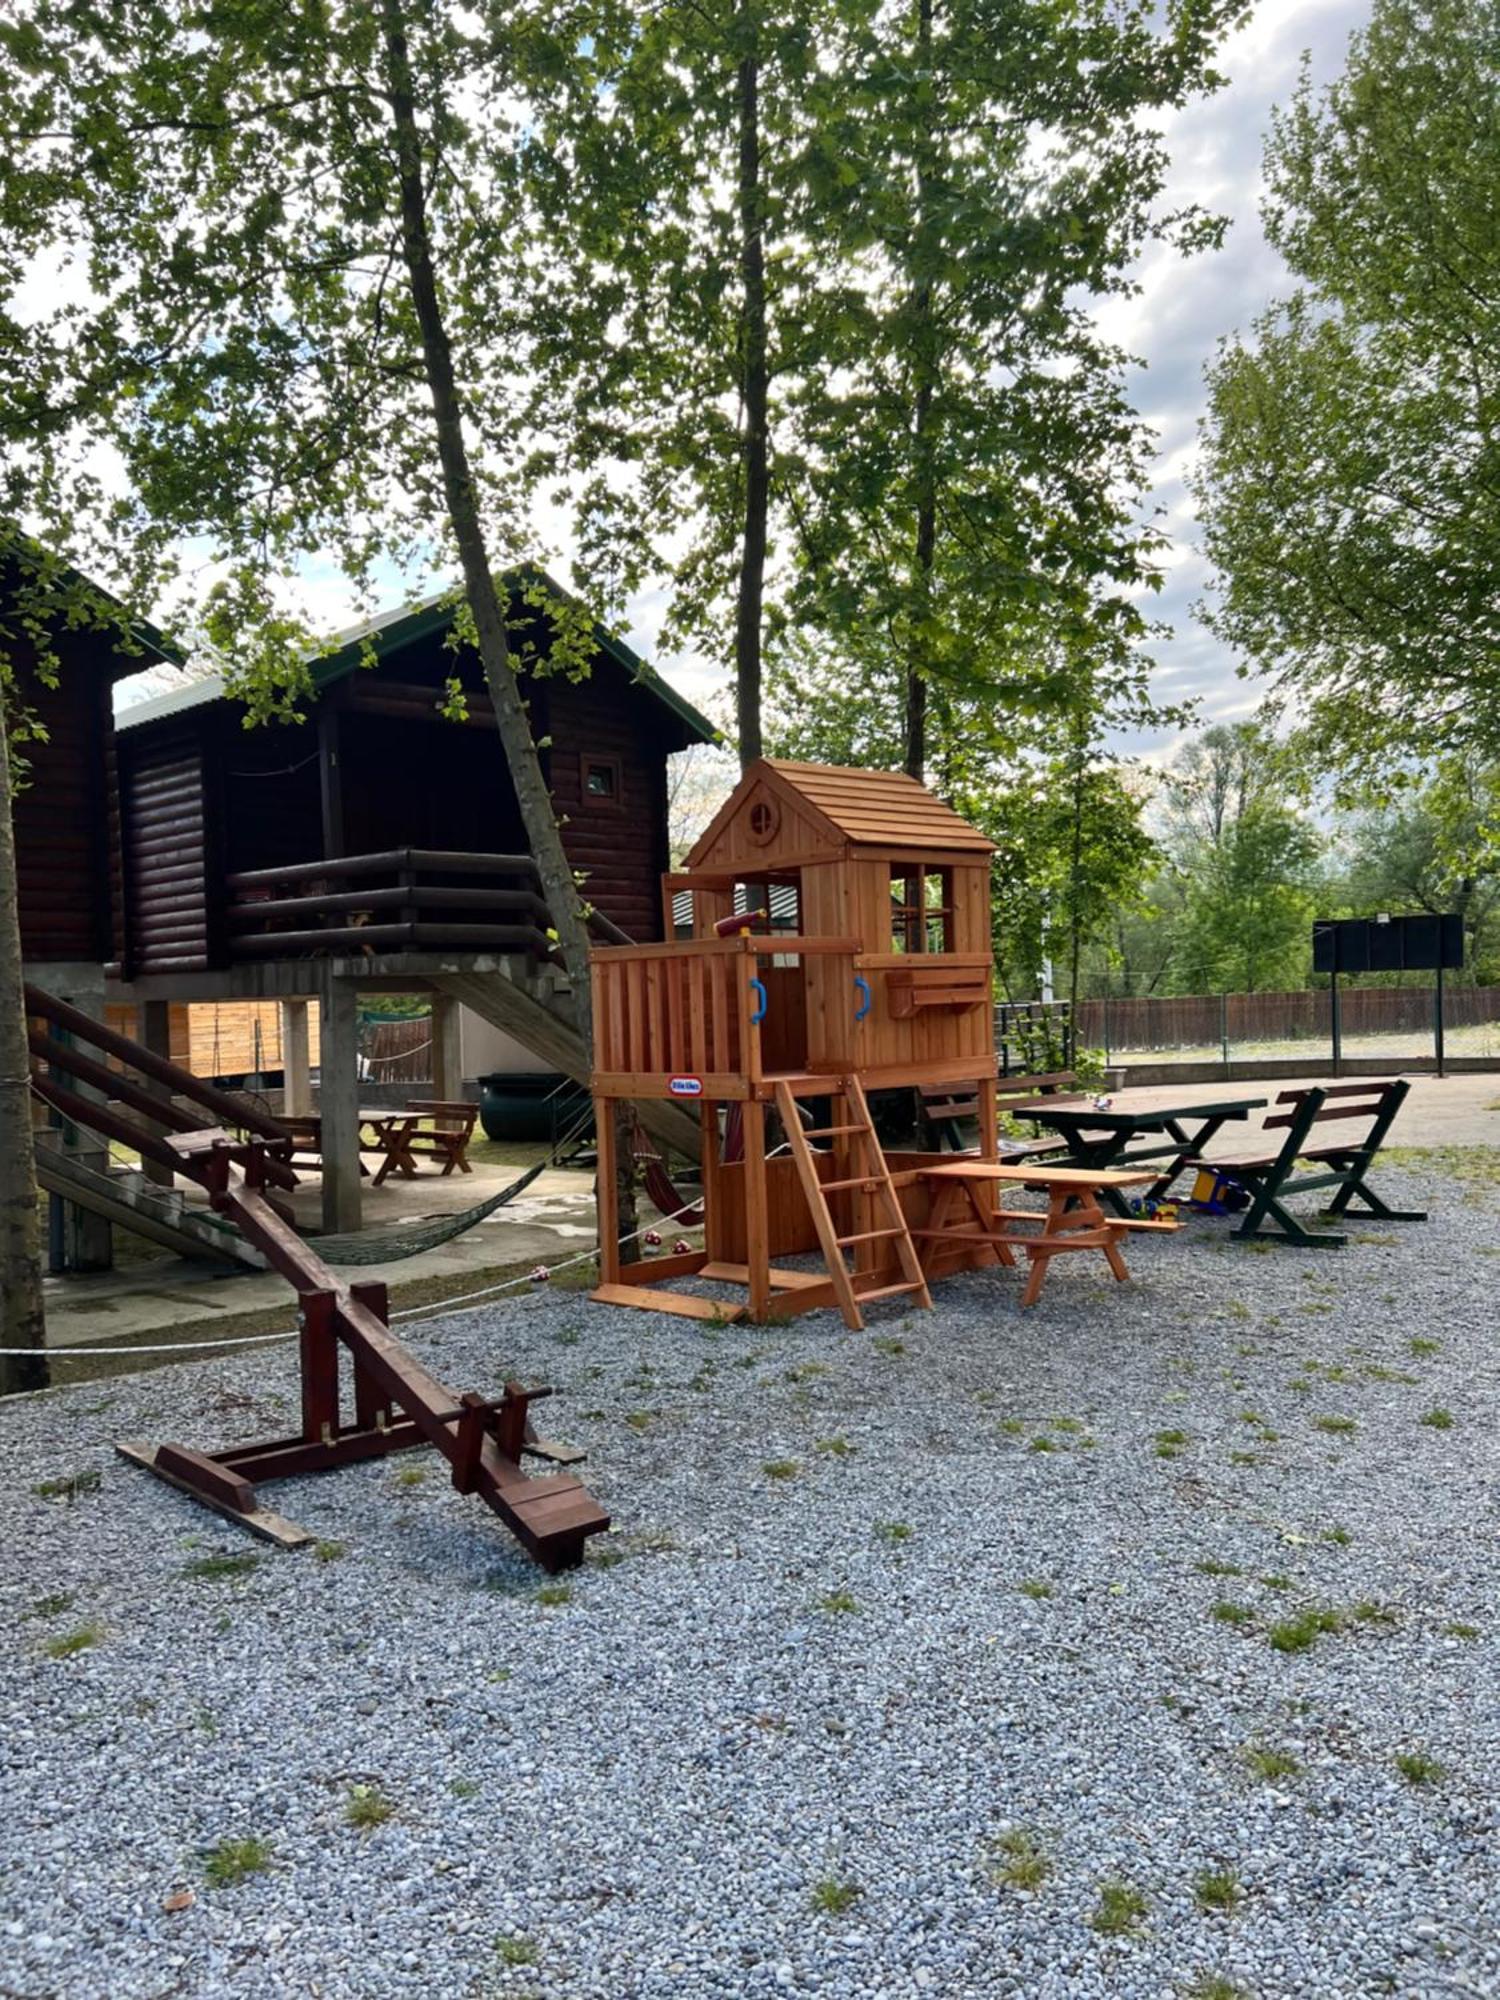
(601, 779)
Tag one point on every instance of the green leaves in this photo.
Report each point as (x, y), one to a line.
(1350, 461)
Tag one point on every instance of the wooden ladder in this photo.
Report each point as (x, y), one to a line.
(874, 1178)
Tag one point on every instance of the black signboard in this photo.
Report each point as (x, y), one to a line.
(1389, 944)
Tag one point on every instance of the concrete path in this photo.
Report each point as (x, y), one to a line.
(1440, 1111)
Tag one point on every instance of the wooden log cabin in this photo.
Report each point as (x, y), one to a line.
(840, 943)
(65, 810)
(377, 824)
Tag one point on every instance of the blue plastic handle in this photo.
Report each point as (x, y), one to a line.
(864, 1007)
(758, 986)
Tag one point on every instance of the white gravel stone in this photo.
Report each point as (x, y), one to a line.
(640, 1791)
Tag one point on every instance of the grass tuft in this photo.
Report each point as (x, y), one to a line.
(234, 1861)
(1020, 1861)
(516, 1951)
(1229, 1613)
(329, 1552)
(367, 1807)
(839, 1602)
(1210, 1566)
(1215, 1986)
(1298, 1633)
(834, 1898)
(1265, 1761)
(893, 1531)
(1035, 1586)
(1437, 1420)
(1418, 1768)
(70, 1486)
(1218, 1889)
(835, 1447)
(66, 1644)
(1335, 1426)
(781, 1468)
(1121, 1910)
(554, 1594)
(219, 1566)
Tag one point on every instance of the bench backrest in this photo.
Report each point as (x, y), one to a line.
(1354, 1100)
(1054, 1083)
(452, 1114)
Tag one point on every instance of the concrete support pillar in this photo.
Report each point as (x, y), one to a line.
(338, 1107)
(447, 1050)
(154, 1027)
(296, 1094)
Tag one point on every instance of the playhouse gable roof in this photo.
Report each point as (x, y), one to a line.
(844, 807)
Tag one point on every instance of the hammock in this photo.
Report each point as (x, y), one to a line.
(659, 1185)
(413, 1238)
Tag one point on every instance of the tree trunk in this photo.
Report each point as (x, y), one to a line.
(461, 494)
(924, 553)
(21, 1317)
(755, 393)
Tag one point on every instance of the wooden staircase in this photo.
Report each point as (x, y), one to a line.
(870, 1179)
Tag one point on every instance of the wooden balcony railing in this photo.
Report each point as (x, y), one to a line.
(408, 899)
(685, 1019)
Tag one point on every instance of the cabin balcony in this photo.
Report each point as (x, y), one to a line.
(408, 899)
(728, 1018)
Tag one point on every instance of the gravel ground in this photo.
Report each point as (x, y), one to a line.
(802, 1733)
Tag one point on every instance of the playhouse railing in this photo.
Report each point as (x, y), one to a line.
(693, 1019)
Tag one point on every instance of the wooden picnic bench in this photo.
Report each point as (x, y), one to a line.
(446, 1125)
(944, 1106)
(1342, 1164)
(1113, 1136)
(962, 1213)
(394, 1132)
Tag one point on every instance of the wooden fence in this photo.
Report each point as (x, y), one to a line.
(399, 1051)
(1203, 1020)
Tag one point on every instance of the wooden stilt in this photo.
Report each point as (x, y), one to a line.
(607, 1191)
(757, 1217)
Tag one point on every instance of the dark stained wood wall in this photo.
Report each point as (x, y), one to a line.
(62, 814)
(168, 847)
(204, 798)
(619, 843)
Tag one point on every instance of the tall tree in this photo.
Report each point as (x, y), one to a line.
(21, 1316)
(1350, 480)
(292, 224)
(1245, 855)
(974, 452)
(682, 182)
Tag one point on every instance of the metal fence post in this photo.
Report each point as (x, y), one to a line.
(1224, 1030)
(1437, 1017)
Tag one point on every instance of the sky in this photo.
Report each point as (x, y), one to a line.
(1183, 308)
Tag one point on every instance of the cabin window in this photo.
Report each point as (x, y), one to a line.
(601, 780)
(921, 907)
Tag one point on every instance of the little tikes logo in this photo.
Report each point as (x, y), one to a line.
(685, 1086)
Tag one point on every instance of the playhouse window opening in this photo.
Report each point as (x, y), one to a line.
(921, 908)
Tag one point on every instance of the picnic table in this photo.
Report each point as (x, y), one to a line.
(1098, 1139)
(962, 1212)
(392, 1136)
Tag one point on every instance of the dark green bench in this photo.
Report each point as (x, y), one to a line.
(1340, 1164)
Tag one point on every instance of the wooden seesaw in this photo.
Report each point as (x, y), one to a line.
(397, 1403)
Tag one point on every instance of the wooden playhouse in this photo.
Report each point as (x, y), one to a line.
(840, 943)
